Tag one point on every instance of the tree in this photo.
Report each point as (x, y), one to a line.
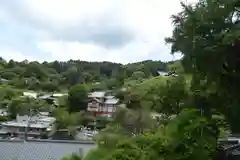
(172, 97)
(176, 67)
(51, 76)
(163, 94)
(77, 98)
(112, 83)
(49, 86)
(207, 34)
(8, 75)
(188, 136)
(16, 106)
(22, 105)
(138, 75)
(67, 120)
(73, 76)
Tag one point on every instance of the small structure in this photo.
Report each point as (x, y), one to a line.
(161, 73)
(3, 112)
(101, 105)
(35, 126)
(52, 98)
(30, 94)
(3, 80)
(57, 95)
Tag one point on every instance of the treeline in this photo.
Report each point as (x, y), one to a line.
(56, 75)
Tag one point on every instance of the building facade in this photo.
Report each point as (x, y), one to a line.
(101, 105)
(34, 126)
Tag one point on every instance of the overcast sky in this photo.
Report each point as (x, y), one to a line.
(91, 30)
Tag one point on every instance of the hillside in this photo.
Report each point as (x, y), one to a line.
(56, 76)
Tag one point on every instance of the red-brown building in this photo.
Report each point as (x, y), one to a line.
(101, 105)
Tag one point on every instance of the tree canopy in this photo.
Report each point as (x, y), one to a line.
(56, 75)
(207, 34)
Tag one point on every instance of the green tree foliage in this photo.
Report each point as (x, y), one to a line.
(175, 66)
(66, 120)
(54, 76)
(77, 98)
(207, 34)
(167, 95)
(125, 123)
(22, 105)
(188, 136)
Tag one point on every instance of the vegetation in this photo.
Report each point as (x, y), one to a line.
(207, 34)
(58, 76)
(196, 105)
(77, 98)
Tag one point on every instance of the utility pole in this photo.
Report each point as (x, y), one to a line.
(28, 124)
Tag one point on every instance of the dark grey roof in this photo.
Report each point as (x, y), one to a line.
(39, 150)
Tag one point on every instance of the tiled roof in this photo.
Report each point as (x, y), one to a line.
(32, 150)
(97, 94)
(45, 96)
(109, 97)
(111, 101)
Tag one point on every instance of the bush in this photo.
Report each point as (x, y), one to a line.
(4, 118)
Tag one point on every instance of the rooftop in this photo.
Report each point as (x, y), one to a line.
(47, 96)
(111, 101)
(30, 94)
(59, 94)
(39, 121)
(25, 124)
(97, 94)
(40, 150)
(109, 97)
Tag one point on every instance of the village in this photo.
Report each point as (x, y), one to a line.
(43, 126)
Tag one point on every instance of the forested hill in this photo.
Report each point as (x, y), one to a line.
(55, 76)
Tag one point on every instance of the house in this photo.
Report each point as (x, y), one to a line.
(34, 126)
(99, 104)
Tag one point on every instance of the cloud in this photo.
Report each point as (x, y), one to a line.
(9, 54)
(74, 20)
(120, 30)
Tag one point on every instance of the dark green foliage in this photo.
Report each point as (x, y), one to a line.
(22, 105)
(207, 34)
(77, 98)
(54, 76)
(3, 118)
(186, 137)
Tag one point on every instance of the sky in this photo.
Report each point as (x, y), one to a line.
(121, 31)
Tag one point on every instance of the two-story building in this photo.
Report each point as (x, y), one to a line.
(101, 105)
(34, 126)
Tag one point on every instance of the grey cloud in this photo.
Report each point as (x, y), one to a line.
(107, 30)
